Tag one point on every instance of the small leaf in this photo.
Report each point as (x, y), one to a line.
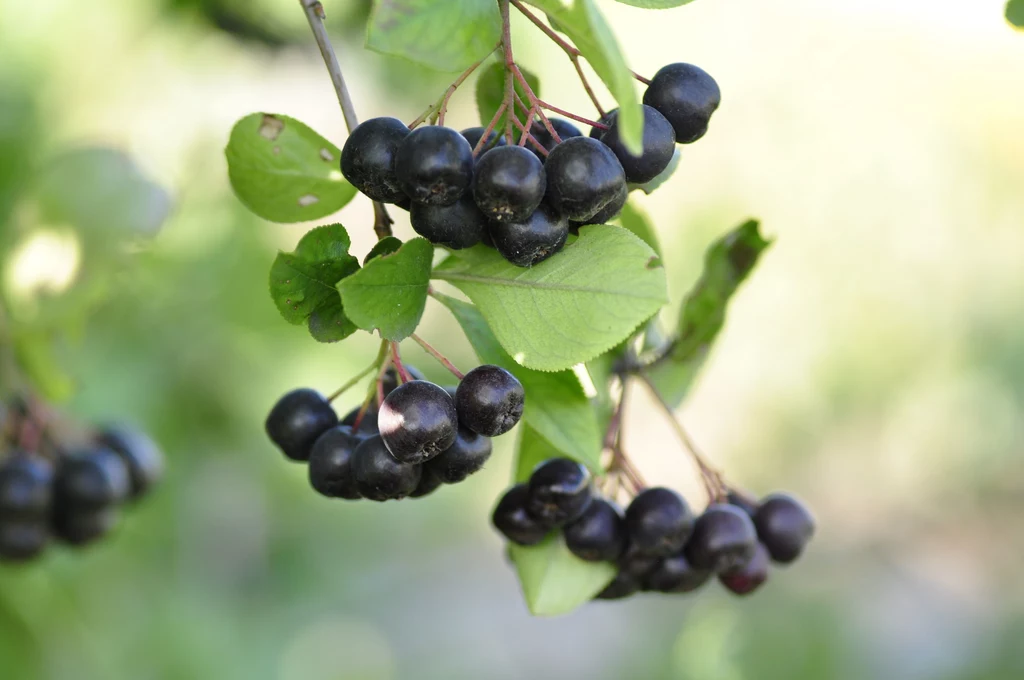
(655, 4)
(555, 581)
(727, 263)
(569, 308)
(284, 171)
(390, 292)
(636, 220)
(490, 92)
(303, 283)
(557, 410)
(447, 36)
(1015, 13)
(589, 31)
(384, 246)
(662, 177)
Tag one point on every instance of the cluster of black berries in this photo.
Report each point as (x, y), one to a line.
(657, 544)
(68, 494)
(420, 437)
(525, 202)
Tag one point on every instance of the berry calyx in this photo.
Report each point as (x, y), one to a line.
(417, 421)
(785, 526)
(434, 165)
(466, 456)
(583, 177)
(368, 158)
(457, 226)
(723, 539)
(749, 576)
(330, 463)
(508, 184)
(659, 144)
(687, 96)
(489, 400)
(512, 519)
(527, 243)
(560, 491)
(297, 420)
(599, 534)
(140, 454)
(675, 574)
(659, 522)
(379, 477)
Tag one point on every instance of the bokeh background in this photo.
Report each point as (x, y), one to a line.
(873, 364)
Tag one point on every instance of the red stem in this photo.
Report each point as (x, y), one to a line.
(490, 128)
(396, 357)
(440, 357)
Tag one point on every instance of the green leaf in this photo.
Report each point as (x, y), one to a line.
(655, 4)
(384, 246)
(284, 171)
(447, 36)
(588, 29)
(490, 93)
(636, 220)
(727, 263)
(102, 193)
(569, 308)
(555, 581)
(649, 187)
(390, 292)
(303, 283)
(1015, 13)
(557, 410)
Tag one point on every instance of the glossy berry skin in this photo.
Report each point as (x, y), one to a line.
(417, 421)
(637, 563)
(368, 158)
(622, 586)
(139, 452)
(512, 519)
(606, 214)
(457, 226)
(368, 425)
(659, 143)
(466, 456)
(508, 184)
(540, 132)
(25, 488)
(560, 491)
(525, 244)
(429, 483)
(379, 477)
(748, 577)
(743, 502)
(434, 165)
(583, 177)
(659, 522)
(675, 574)
(330, 463)
(723, 538)
(297, 420)
(599, 534)
(785, 526)
(91, 480)
(489, 400)
(81, 527)
(687, 96)
(474, 134)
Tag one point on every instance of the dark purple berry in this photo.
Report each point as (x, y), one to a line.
(429, 483)
(560, 491)
(743, 502)
(139, 452)
(466, 456)
(540, 132)
(659, 144)
(330, 463)
(379, 477)
(622, 586)
(675, 574)
(508, 184)
(637, 563)
(489, 400)
(785, 526)
(25, 488)
(22, 539)
(474, 134)
(391, 381)
(583, 177)
(747, 577)
(687, 96)
(91, 480)
(417, 421)
(606, 214)
(368, 158)
(434, 165)
(81, 527)
(297, 420)
(457, 226)
(599, 534)
(658, 522)
(511, 518)
(367, 426)
(527, 243)
(723, 538)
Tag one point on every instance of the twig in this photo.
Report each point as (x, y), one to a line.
(351, 383)
(441, 105)
(506, 46)
(440, 357)
(396, 358)
(489, 129)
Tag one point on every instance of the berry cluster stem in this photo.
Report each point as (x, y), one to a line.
(440, 357)
(315, 16)
(440, 107)
(351, 383)
(396, 358)
(620, 463)
(376, 388)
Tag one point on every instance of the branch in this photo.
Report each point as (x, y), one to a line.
(444, 361)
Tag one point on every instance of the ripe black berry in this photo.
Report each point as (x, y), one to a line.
(379, 476)
(659, 521)
(748, 577)
(489, 400)
(622, 586)
(457, 226)
(391, 381)
(434, 165)
(79, 527)
(91, 480)
(785, 526)
(368, 158)
(417, 421)
(466, 456)
(743, 502)
(605, 214)
(474, 134)
(637, 563)
(540, 132)
(367, 426)
(527, 243)
(508, 184)
(560, 491)
(330, 463)
(659, 143)
(723, 539)
(687, 96)
(606, 120)
(25, 488)
(22, 540)
(675, 574)
(140, 453)
(511, 518)
(297, 420)
(599, 534)
(583, 177)
(429, 483)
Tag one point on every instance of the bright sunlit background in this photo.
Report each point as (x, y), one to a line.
(873, 364)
